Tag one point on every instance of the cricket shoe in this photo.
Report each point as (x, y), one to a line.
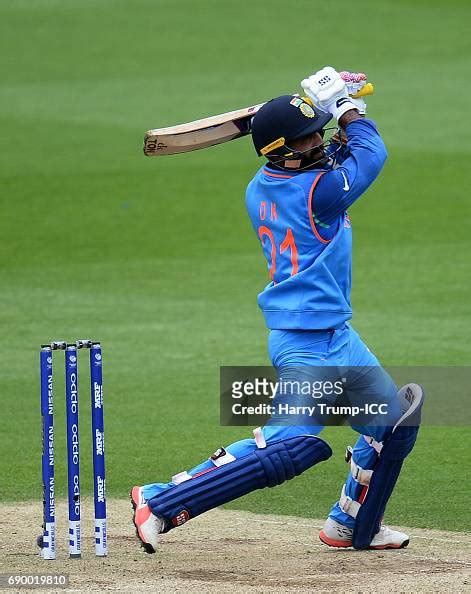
(148, 526)
(337, 535)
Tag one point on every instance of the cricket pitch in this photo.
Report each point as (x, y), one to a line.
(233, 551)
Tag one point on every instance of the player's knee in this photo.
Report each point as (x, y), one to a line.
(276, 432)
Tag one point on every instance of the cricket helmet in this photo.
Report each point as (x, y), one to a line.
(283, 119)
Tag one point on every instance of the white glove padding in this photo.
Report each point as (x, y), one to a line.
(355, 81)
(328, 92)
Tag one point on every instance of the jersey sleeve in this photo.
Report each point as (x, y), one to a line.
(340, 150)
(338, 189)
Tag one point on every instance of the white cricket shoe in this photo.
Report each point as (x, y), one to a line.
(387, 538)
(148, 526)
(338, 535)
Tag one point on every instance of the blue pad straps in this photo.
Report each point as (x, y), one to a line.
(279, 461)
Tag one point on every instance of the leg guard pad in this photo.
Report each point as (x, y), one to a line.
(279, 461)
(386, 471)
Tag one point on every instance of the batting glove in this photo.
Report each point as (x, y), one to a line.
(328, 91)
(355, 81)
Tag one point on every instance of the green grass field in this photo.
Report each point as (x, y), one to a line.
(156, 257)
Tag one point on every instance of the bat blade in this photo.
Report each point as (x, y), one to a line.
(208, 131)
(200, 133)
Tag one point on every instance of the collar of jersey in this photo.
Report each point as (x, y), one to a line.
(279, 173)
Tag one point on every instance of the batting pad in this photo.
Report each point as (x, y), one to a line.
(387, 469)
(269, 466)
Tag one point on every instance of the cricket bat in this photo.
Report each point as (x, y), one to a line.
(208, 131)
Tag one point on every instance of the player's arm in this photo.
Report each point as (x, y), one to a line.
(339, 188)
(355, 83)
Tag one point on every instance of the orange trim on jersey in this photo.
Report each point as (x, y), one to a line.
(266, 172)
(310, 211)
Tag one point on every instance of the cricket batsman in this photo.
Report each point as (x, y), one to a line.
(297, 203)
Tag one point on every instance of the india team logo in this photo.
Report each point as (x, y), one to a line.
(307, 110)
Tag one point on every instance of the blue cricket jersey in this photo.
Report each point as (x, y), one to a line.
(301, 220)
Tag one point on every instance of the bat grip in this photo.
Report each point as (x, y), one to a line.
(368, 89)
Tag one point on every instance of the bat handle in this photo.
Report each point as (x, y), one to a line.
(368, 89)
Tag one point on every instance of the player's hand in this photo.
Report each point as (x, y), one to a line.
(354, 82)
(328, 91)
